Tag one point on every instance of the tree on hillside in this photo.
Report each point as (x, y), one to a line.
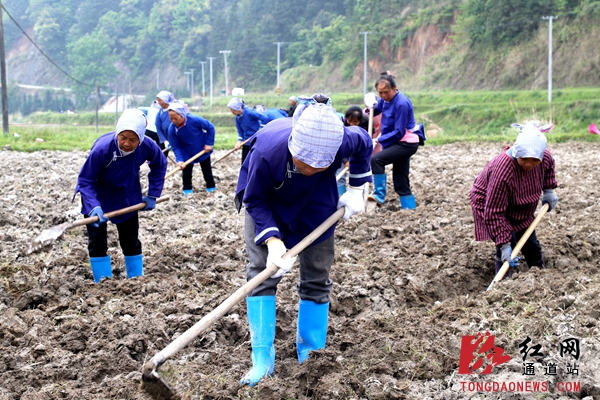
(51, 27)
(93, 64)
(508, 22)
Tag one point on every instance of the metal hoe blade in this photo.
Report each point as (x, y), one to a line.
(157, 387)
(47, 237)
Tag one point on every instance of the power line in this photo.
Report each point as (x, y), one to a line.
(42, 51)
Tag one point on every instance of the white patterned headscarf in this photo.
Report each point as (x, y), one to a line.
(179, 107)
(317, 134)
(235, 104)
(132, 120)
(165, 96)
(531, 141)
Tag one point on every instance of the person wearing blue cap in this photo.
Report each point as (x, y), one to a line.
(189, 135)
(110, 180)
(288, 187)
(247, 122)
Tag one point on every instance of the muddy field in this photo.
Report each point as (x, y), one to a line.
(407, 286)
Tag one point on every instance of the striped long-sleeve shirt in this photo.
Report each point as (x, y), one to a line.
(504, 196)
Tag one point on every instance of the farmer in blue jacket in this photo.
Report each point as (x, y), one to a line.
(270, 113)
(247, 122)
(398, 140)
(288, 186)
(110, 180)
(189, 135)
(162, 120)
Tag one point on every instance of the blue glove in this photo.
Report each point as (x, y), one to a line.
(506, 250)
(97, 212)
(549, 197)
(150, 203)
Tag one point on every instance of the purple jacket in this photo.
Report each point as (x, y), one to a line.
(112, 181)
(284, 203)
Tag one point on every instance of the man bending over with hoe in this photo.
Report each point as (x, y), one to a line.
(288, 186)
(506, 193)
(110, 180)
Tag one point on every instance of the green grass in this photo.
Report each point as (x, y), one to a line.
(68, 138)
(478, 116)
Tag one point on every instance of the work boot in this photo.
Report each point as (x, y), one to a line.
(212, 189)
(101, 268)
(312, 328)
(379, 189)
(134, 266)
(187, 192)
(408, 202)
(261, 320)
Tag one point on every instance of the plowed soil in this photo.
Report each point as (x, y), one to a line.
(407, 286)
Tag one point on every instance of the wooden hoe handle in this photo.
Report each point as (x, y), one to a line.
(519, 245)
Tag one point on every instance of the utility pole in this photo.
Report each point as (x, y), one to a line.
(225, 52)
(157, 84)
(203, 90)
(192, 86)
(97, 101)
(211, 83)
(187, 79)
(365, 65)
(550, 18)
(3, 76)
(117, 102)
(278, 90)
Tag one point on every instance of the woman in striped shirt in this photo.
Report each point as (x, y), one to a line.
(505, 195)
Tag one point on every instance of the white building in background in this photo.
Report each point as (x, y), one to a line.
(122, 102)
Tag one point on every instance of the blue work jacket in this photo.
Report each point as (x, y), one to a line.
(112, 181)
(286, 204)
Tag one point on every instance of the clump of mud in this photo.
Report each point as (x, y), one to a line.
(407, 286)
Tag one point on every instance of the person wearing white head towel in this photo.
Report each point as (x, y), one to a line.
(110, 180)
(288, 186)
(505, 195)
(247, 122)
(189, 135)
(161, 119)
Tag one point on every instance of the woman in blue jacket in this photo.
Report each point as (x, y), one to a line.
(162, 120)
(397, 139)
(188, 136)
(110, 180)
(247, 122)
(288, 187)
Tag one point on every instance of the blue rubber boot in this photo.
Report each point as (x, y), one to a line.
(134, 266)
(261, 319)
(341, 190)
(408, 202)
(187, 192)
(312, 328)
(379, 189)
(210, 190)
(101, 268)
